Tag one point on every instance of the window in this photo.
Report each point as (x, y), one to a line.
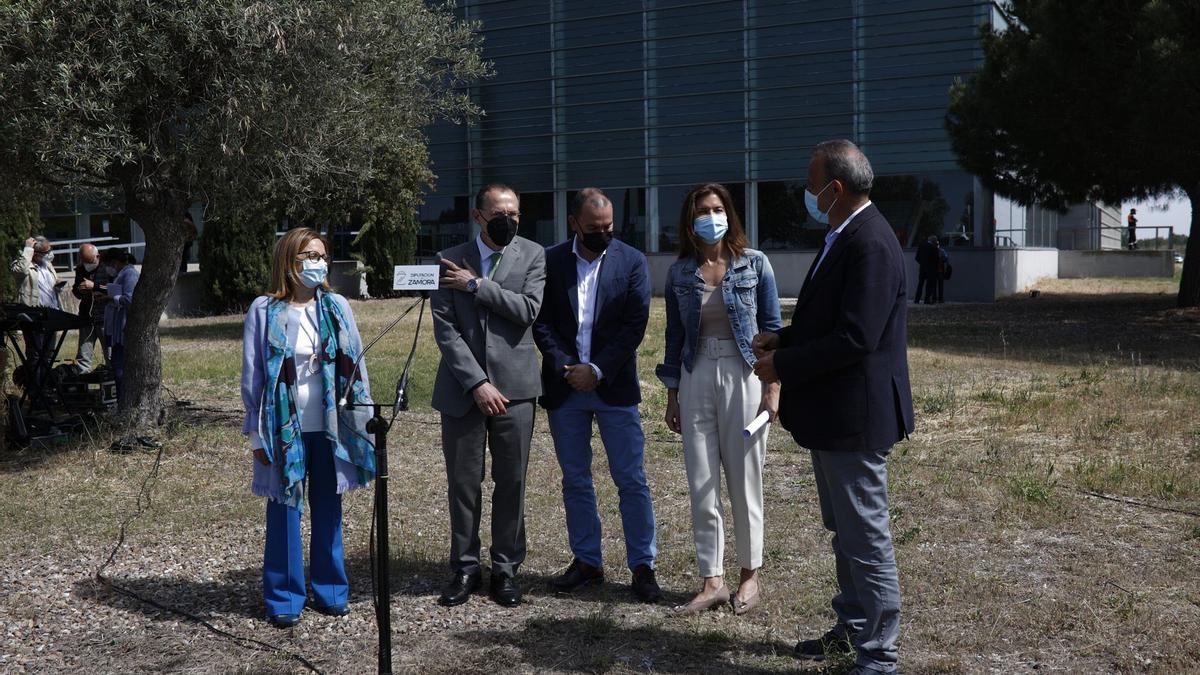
(445, 222)
(629, 215)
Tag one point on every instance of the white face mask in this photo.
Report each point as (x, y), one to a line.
(90, 267)
(313, 274)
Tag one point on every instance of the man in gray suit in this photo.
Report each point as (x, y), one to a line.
(486, 386)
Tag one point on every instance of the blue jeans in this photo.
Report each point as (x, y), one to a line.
(621, 431)
(283, 559)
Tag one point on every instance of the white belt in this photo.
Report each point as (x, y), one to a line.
(715, 348)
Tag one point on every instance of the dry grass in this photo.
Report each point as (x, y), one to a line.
(1038, 513)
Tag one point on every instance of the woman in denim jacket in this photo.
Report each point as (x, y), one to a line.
(719, 294)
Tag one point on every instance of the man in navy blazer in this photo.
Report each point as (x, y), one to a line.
(843, 363)
(592, 320)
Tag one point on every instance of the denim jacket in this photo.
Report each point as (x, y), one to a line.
(750, 296)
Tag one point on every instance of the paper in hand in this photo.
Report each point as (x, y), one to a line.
(759, 422)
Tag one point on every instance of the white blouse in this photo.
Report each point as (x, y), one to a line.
(305, 336)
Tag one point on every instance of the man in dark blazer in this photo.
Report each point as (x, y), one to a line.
(843, 363)
(489, 296)
(592, 321)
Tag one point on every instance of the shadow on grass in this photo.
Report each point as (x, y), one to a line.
(600, 643)
(1064, 328)
(224, 330)
(239, 592)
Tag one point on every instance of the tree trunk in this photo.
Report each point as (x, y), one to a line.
(140, 401)
(1189, 285)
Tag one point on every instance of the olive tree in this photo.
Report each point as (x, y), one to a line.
(162, 102)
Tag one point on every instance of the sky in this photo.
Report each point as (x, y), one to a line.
(1175, 212)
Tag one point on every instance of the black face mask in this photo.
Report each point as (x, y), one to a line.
(596, 242)
(501, 230)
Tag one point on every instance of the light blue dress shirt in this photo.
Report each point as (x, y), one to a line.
(832, 235)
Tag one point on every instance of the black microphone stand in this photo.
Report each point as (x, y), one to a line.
(379, 427)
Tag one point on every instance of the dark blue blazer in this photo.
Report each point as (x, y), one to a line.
(843, 361)
(622, 310)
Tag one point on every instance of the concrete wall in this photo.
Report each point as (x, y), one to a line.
(1018, 269)
(973, 279)
(1086, 264)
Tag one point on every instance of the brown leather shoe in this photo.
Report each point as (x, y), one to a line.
(578, 574)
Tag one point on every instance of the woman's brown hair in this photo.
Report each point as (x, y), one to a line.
(735, 238)
(284, 277)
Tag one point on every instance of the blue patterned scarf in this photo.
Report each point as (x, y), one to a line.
(345, 429)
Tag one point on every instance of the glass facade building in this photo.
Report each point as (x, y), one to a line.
(646, 98)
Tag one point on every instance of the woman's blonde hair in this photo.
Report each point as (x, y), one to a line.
(284, 278)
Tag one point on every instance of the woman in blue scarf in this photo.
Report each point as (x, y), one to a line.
(299, 349)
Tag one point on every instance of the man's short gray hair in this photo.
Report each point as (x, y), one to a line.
(589, 196)
(843, 161)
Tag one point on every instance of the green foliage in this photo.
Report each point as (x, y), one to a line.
(1087, 100)
(19, 218)
(162, 103)
(235, 255)
(384, 244)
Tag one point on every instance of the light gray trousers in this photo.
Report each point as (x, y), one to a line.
(852, 489)
(717, 399)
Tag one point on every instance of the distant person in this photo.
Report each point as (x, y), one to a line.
(299, 347)
(943, 272)
(117, 297)
(720, 293)
(592, 321)
(1131, 224)
(89, 276)
(927, 270)
(37, 286)
(189, 226)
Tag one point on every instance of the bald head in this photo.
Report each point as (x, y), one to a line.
(88, 254)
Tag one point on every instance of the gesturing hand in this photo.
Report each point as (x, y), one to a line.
(764, 342)
(490, 400)
(456, 277)
(581, 377)
(764, 368)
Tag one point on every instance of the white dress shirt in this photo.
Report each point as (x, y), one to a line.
(832, 235)
(587, 275)
(485, 257)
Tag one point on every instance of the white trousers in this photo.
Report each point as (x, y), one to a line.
(717, 399)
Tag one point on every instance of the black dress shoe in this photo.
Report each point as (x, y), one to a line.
(461, 586)
(645, 586)
(505, 591)
(829, 644)
(578, 574)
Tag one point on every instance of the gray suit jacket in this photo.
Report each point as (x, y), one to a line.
(487, 335)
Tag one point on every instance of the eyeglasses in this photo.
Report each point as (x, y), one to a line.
(311, 256)
(515, 215)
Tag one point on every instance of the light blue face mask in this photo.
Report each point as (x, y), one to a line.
(313, 274)
(711, 227)
(814, 211)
